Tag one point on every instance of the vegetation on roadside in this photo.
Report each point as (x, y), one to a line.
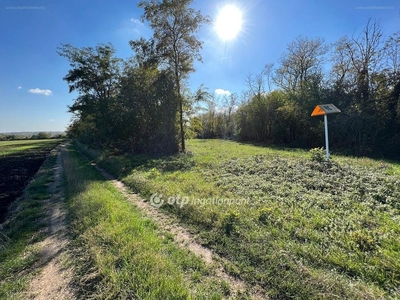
(31, 136)
(311, 229)
(21, 232)
(121, 253)
(139, 104)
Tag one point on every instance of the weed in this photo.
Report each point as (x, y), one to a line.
(317, 154)
(264, 214)
(230, 222)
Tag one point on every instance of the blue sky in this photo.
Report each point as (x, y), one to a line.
(33, 96)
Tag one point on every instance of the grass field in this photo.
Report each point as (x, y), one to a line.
(298, 228)
(122, 254)
(12, 147)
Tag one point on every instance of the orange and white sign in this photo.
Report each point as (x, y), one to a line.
(324, 109)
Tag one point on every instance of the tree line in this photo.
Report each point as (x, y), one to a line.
(359, 74)
(29, 136)
(143, 104)
(139, 104)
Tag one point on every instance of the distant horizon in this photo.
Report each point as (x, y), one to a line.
(33, 131)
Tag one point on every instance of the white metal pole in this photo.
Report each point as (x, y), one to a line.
(326, 137)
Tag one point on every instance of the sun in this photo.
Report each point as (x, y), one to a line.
(229, 22)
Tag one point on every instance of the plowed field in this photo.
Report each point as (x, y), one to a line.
(19, 162)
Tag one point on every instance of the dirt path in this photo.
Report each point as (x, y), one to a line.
(185, 239)
(53, 280)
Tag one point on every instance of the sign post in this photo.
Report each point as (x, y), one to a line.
(324, 110)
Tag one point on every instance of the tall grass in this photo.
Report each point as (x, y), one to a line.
(310, 229)
(122, 254)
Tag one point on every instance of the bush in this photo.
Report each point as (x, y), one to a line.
(264, 214)
(230, 222)
(41, 136)
(317, 154)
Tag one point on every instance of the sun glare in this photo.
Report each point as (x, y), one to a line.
(229, 22)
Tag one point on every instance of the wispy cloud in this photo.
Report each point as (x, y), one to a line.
(222, 92)
(40, 92)
(19, 87)
(136, 21)
(51, 120)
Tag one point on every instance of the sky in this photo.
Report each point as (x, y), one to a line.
(34, 97)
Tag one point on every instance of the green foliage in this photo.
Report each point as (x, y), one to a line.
(12, 137)
(309, 230)
(317, 154)
(367, 93)
(364, 240)
(149, 107)
(94, 74)
(133, 109)
(264, 214)
(195, 128)
(219, 123)
(132, 106)
(41, 136)
(230, 222)
(175, 26)
(122, 254)
(142, 104)
(262, 119)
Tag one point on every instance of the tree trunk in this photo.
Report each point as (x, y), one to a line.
(181, 123)
(178, 87)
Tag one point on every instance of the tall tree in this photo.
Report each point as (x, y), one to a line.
(364, 53)
(301, 63)
(175, 25)
(300, 75)
(360, 87)
(94, 74)
(147, 108)
(392, 55)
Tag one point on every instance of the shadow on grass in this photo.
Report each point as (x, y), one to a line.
(337, 152)
(122, 165)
